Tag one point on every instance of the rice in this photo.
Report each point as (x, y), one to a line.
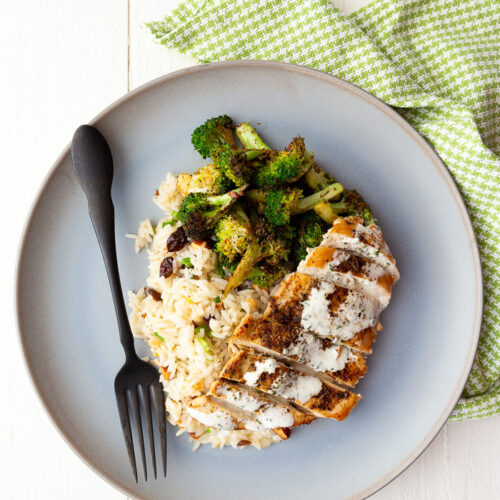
(168, 326)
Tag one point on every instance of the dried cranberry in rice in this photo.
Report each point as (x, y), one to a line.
(155, 294)
(166, 268)
(177, 240)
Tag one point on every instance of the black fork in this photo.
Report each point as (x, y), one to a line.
(136, 381)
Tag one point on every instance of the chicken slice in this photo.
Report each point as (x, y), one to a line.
(350, 271)
(267, 411)
(350, 234)
(343, 315)
(307, 392)
(291, 344)
(208, 412)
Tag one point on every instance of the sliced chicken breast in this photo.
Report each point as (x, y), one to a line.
(350, 271)
(208, 412)
(307, 392)
(336, 363)
(267, 411)
(350, 234)
(319, 307)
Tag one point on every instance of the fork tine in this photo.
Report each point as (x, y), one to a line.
(135, 402)
(127, 431)
(149, 422)
(159, 397)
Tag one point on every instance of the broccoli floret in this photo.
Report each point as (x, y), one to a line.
(265, 276)
(353, 204)
(235, 163)
(278, 205)
(213, 133)
(233, 233)
(284, 167)
(224, 264)
(209, 179)
(271, 244)
(317, 179)
(249, 137)
(310, 230)
(199, 212)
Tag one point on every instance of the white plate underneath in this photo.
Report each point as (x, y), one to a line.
(421, 358)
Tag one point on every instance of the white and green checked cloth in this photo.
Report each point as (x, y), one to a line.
(436, 61)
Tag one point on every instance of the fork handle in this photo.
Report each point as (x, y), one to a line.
(93, 164)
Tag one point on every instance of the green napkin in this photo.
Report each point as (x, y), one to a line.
(435, 61)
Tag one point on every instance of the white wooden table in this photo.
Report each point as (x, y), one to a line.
(61, 63)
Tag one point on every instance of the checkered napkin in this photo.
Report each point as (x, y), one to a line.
(437, 62)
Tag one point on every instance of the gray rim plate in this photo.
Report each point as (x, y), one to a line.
(421, 360)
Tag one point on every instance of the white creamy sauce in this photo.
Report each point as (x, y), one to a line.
(253, 425)
(365, 280)
(298, 388)
(308, 349)
(356, 313)
(276, 416)
(267, 366)
(374, 271)
(216, 419)
(316, 313)
(339, 258)
(241, 399)
(268, 414)
(376, 254)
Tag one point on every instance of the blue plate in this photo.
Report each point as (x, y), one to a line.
(421, 360)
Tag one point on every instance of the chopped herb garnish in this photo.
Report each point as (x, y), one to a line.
(156, 334)
(208, 430)
(217, 299)
(205, 346)
(201, 330)
(186, 261)
(172, 221)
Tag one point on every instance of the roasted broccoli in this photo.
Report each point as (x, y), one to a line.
(249, 137)
(278, 205)
(309, 235)
(316, 178)
(265, 276)
(263, 235)
(225, 265)
(213, 133)
(235, 163)
(353, 204)
(233, 233)
(284, 167)
(199, 212)
(271, 244)
(209, 179)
